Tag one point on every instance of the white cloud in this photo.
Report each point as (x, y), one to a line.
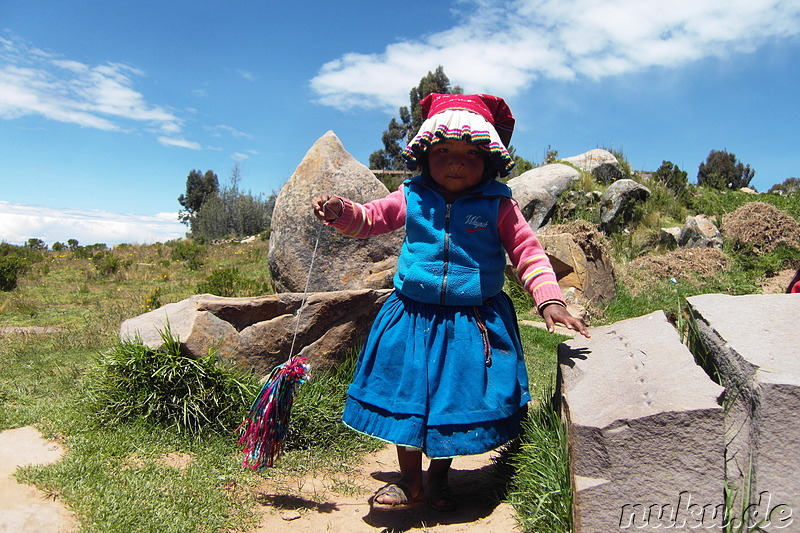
(19, 222)
(247, 75)
(222, 129)
(503, 47)
(179, 142)
(34, 82)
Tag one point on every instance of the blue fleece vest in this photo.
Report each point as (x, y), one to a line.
(452, 254)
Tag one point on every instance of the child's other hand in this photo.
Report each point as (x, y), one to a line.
(327, 207)
(555, 314)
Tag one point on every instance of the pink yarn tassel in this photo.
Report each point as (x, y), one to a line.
(264, 429)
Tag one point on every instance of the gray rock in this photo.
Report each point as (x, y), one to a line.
(618, 201)
(259, 332)
(601, 163)
(645, 427)
(537, 190)
(668, 237)
(341, 262)
(699, 232)
(754, 343)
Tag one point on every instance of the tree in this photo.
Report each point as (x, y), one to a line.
(400, 132)
(231, 213)
(199, 188)
(36, 244)
(673, 179)
(722, 171)
(789, 186)
(521, 165)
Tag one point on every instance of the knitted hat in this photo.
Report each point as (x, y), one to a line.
(481, 119)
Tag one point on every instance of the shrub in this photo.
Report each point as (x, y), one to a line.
(10, 269)
(105, 263)
(230, 282)
(186, 251)
(673, 179)
(722, 171)
(133, 381)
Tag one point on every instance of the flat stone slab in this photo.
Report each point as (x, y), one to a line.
(753, 342)
(645, 427)
(23, 508)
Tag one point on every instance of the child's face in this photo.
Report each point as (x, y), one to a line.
(456, 166)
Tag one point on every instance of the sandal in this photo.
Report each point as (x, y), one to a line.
(440, 498)
(400, 496)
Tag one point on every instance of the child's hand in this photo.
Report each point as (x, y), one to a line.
(327, 207)
(555, 314)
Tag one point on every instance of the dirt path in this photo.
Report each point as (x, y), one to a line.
(313, 504)
(25, 509)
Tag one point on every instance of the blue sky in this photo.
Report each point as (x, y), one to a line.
(105, 107)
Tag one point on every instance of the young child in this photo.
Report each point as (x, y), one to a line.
(794, 285)
(442, 371)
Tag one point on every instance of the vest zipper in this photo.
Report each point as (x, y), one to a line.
(442, 298)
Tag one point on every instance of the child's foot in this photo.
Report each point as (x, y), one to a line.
(396, 497)
(440, 497)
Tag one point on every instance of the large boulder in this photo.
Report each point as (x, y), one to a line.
(581, 262)
(259, 332)
(341, 263)
(751, 342)
(699, 232)
(537, 191)
(618, 202)
(601, 163)
(645, 428)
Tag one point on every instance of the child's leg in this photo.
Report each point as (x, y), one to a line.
(410, 462)
(439, 496)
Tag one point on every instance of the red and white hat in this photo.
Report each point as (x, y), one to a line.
(481, 119)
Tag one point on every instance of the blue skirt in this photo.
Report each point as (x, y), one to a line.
(448, 380)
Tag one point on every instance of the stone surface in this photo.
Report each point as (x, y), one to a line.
(668, 237)
(754, 343)
(617, 203)
(258, 332)
(645, 427)
(537, 190)
(699, 232)
(341, 263)
(601, 163)
(589, 272)
(23, 508)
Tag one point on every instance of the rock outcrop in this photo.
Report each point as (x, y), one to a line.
(341, 263)
(601, 163)
(617, 203)
(537, 191)
(699, 232)
(259, 332)
(753, 343)
(646, 429)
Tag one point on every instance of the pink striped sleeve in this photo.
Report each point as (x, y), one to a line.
(527, 255)
(373, 218)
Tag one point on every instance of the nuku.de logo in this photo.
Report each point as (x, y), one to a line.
(693, 516)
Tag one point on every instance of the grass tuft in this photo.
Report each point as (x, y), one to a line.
(164, 386)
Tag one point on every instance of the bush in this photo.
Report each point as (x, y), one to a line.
(133, 381)
(673, 179)
(722, 171)
(229, 282)
(10, 269)
(105, 263)
(14, 261)
(186, 251)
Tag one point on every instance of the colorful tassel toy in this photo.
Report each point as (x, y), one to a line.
(264, 429)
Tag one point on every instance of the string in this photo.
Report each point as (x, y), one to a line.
(305, 290)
